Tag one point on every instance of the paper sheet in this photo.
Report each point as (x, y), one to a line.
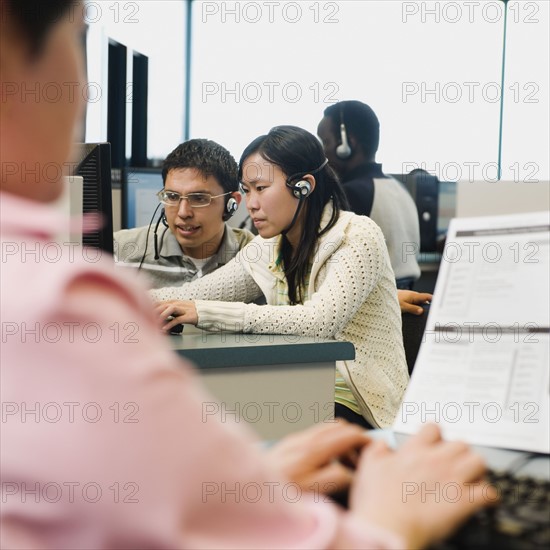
(483, 369)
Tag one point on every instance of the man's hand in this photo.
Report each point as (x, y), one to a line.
(409, 299)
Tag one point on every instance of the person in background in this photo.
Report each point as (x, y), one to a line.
(350, 133)
(191, 237)
(102, 443)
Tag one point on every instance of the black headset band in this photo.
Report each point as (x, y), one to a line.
(293, 177)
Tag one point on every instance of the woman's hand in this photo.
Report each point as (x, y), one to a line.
(409, 299)
(176, 312)
(322, 458)
(424, 490)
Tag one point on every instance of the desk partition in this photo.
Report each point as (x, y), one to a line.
(278, 384)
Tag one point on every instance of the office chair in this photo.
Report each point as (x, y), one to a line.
(413, 327)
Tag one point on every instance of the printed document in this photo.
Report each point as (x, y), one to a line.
(482, 372)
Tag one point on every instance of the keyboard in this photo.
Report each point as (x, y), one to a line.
(520, 521)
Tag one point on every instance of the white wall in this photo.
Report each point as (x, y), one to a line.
(431, 71)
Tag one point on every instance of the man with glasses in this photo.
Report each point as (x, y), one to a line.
(190, 237)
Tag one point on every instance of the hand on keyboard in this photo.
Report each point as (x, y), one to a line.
(322, 458)
(423, 491)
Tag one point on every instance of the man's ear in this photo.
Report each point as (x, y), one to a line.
(353, 143)
(237, 196)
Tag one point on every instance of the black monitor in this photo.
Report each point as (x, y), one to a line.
(92, 161)
(139, 188)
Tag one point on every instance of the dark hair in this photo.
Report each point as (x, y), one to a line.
(361, 122)
(35, 18)
(208, 157)
(297, 153)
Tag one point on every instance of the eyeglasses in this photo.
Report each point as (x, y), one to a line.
(196, 200)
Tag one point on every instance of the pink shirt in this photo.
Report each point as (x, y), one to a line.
(103, 441)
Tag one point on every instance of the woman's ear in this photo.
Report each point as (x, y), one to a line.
(311, 180)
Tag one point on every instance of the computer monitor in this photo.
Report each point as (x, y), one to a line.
(139, 195)
(92, 161)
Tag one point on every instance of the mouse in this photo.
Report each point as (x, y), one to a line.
(176, 329)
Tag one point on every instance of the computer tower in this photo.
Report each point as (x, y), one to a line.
(424, 189)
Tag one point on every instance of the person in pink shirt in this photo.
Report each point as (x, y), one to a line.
(103, 443)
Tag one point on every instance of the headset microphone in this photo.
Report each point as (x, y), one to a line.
(343, 151)
(163, 219)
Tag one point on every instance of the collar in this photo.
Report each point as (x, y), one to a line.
(276, 264)
(369, 169)
(169, 246)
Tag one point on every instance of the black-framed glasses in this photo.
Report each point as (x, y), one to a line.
(196, 200)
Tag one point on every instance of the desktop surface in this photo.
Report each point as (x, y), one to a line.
(210, 350)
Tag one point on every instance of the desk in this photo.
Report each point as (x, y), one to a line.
(277, 383)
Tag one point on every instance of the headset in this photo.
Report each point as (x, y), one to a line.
(343, 151)
(301, 189)
(230, 208)
(162, 218)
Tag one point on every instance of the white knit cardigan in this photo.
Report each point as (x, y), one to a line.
(351, 296)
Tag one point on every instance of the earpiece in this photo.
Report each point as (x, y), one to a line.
(301, 189)
(230, 208)
(343, 151)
